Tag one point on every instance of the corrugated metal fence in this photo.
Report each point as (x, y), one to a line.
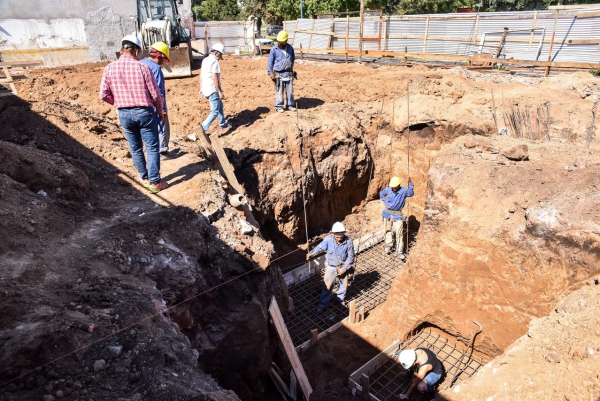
(577, 34)
(231, 33)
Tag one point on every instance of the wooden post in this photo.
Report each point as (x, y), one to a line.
(476, 30)
(301, 54)
(405, 56)
(533, 29)
(293, 386)
(207, 47)
(347, 34)
(551, 43)
(314, 337)
(330, 41)
(366, 390)
(352, 308)
(379, 42)
(288, 345)
(312, 28)
(426, 32)
(360, 30)
(361, 314)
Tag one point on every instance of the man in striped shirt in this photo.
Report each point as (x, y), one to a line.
(130, 86)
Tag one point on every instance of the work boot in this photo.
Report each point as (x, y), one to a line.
(401, 256)
(279, 109)
(319, 310)
(291, 108)
(388, 249)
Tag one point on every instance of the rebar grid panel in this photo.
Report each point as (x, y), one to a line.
(390, 379)
(374, 272)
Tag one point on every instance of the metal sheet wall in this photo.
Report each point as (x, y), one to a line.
(464, 34)
(230, 33)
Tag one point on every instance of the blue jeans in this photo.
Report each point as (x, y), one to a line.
(329, 280)
(431, 378)
(216, 110)
(285, 88)
(140, 127)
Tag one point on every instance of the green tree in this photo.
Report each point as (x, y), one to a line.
(217, 10)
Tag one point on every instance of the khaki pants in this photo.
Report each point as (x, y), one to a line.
(393, 228)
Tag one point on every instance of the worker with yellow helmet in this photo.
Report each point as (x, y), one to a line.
(280, 69)
(159, 54)
(394, 197)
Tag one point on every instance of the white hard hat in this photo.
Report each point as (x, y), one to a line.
(338, 228)
(133, 39)
(218, 47)
(407, 358)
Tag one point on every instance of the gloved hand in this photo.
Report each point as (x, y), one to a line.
(341, 271)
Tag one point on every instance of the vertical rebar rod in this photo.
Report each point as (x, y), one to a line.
(548, 121)
(302, 186)
(407, 159)
(591, 132)
(494, 112)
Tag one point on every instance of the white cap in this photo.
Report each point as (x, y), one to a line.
(218, 47)
(407, 358)
(338, 228)
(133, 39)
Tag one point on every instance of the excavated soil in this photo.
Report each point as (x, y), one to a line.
(88, 253)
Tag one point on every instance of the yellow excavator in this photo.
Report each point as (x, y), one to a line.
(160, 21)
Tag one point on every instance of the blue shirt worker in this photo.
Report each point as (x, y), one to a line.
(280, 69)
(393, 198)
(339, 259)
(159, 54)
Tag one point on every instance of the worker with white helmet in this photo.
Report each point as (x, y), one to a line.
(394, 197)
(130, 86)
(159, 54)
(339, 259)
(280, 69)
(425, 367)
(211, 88)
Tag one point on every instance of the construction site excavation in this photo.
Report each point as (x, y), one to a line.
(212, 288)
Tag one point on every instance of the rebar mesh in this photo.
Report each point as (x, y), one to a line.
(391, 379)
(374, 272)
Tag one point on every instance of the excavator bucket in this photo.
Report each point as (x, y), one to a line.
(181, 61)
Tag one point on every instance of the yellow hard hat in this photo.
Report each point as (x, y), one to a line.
(282, 36)
(395, 182)
(161, 47)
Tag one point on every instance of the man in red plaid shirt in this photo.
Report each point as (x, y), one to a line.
(130, 86)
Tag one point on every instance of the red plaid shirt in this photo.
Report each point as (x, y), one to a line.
(129, 83)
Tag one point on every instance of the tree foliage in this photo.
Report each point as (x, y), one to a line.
(216, 10)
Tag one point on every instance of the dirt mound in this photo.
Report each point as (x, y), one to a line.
(39, 170)
(558, 358)
(501, 241)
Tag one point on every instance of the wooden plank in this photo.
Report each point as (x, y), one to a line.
(352, 313)
(379, 42)
(573, 6)
(279, 384)
(361, 30)
(366, 387)
(29, 63)
(361, 314)
(532, 29)
(311, 31)
(547, 72)
(588, 14)
(228, 171)
(293, 386)
(382, 356)
(314, 337)
(424, 37)
(288, 345)
(476, 32)
(310, 37)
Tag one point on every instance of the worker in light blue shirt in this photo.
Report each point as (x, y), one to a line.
(280, 69)
(339, 258)
(159, 54)
(393, 198)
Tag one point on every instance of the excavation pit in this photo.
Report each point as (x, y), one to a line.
(386, 377)
(374, 272)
